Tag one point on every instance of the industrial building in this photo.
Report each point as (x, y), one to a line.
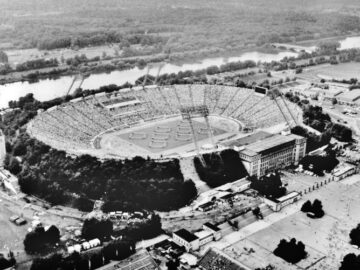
(262, 152)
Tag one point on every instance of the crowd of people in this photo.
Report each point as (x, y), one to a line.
(75, 124)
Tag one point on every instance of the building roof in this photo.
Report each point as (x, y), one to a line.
(203, 234)
(350, 96)
(215, 259)
(207, 204)
(288, 196)
(249, 139)
(327, 92)
(268, 143)
(212, 226)
(186, 235)
(139, 261)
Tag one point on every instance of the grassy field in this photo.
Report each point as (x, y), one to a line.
(159, 132)
(340, 71)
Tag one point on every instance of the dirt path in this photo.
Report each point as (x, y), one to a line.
(189, 172)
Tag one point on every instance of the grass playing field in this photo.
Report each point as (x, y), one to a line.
(169, 135)
(340, 71)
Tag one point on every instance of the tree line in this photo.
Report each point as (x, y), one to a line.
(122, 247)
(124, 185)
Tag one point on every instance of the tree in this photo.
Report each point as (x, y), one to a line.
(317, 209)
(94, 228)
(269, 186)
(350, 262)
(96, 261)
(173, 264)
(53, 234)
(328, 47)
(39, 240)
(306, 207)
(355, 236)
(291, 251)
(220, 169)
(3, 57)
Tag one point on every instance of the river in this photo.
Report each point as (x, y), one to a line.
(48, 89)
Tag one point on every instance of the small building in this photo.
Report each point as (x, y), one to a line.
(77, 248)
(227, 197)
(85, 246)
(214, 229)
(206, 206)
(70, 249)
(240, 185)
(278, 204)
(94, 242)
(205, 237)
(343, 172)
(186, 239)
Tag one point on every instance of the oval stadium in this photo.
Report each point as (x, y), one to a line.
(159, 121)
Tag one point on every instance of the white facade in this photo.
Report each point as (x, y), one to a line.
(258, 163)
(189, 245)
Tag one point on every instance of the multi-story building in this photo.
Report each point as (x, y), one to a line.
(186, 239)
(263, 152)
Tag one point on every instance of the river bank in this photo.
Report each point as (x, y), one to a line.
(127, 63)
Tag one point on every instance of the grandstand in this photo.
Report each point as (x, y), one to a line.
(147, 121)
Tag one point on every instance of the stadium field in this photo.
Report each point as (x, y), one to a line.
(341, 71)
(165, 136)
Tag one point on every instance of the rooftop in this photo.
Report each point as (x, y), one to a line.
(351, 95)
(207, 204)
(268, 143)
(139, 261)
(203, 234)
(186, 235)
(212, 226)
(249, 139)
(215, 259)
(288, 196)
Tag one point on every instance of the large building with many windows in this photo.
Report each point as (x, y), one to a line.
(263, 152)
